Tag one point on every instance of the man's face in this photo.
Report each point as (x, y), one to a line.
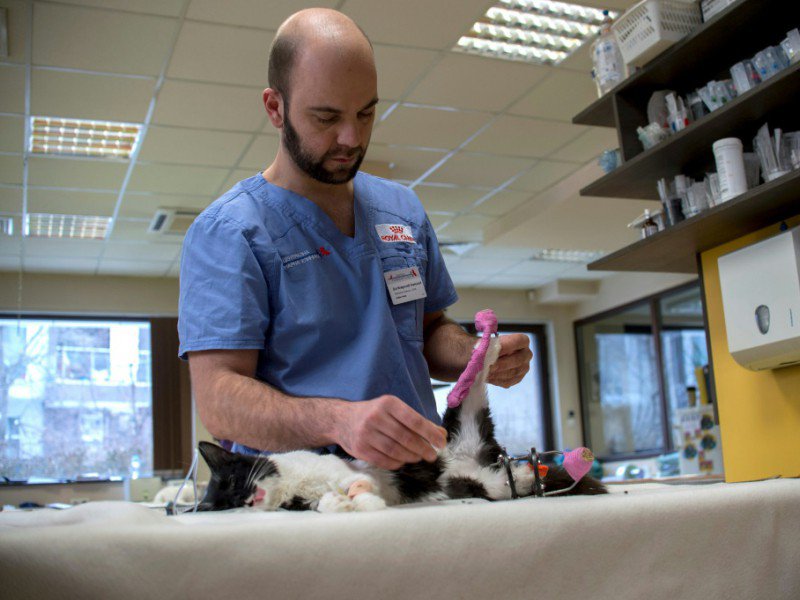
(336, 165)
(328, 115)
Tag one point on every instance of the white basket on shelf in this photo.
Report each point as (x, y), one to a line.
(652, 26)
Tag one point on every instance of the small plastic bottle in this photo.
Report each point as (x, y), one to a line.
(609, 68)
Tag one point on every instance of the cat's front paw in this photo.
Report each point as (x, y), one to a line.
(367, 501)
(333, 502)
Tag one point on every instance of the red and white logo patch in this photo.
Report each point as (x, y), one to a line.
(394, 233)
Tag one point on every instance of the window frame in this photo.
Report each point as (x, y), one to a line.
(656, 327)
(171, 392)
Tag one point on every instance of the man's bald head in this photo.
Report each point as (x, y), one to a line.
(312, 30)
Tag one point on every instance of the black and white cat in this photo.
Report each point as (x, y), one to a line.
(467, 467)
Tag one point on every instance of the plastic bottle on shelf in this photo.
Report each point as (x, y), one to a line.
(609, 67)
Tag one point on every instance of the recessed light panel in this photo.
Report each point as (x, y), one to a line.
(40, 225)
(538, 31)
(77, 137)
(572, 256)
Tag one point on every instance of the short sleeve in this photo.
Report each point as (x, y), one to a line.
(438, 285)
(224, 300)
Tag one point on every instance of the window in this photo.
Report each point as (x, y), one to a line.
(76, 398)
(522, 413)
(637, 365)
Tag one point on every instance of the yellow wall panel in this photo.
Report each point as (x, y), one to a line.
(759, 411)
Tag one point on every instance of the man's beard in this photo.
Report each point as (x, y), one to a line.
(315, 168)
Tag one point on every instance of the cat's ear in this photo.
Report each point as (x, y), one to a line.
(215, 456)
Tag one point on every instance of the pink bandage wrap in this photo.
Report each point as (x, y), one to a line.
(485, 322)
(578, 462)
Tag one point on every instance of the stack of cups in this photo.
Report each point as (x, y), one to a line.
(730, 168)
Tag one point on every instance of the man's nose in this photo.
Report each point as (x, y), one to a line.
(349, 134)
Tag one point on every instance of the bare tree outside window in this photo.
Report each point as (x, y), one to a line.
(75, 399)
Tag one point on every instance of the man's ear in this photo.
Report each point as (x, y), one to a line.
(273, 103)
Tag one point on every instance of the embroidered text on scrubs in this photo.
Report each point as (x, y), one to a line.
(394, 233)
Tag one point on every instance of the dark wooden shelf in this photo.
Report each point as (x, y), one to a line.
(689, 151)
(675, 249)
(734, 34)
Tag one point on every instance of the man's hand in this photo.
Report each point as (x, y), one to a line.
(388, 433)
(514, 361)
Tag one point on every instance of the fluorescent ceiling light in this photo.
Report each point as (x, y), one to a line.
(66, 226)
(538, 31)
(6, 225)
(77, 137)
(572, 256)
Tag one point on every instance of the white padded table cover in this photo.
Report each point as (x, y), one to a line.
(648, 541)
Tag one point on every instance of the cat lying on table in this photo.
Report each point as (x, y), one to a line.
(468, 467)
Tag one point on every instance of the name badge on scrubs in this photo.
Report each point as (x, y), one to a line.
(405, 285)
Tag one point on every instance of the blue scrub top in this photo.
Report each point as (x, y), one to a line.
(264, 268)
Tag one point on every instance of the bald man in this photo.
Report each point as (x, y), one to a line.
(312, 295)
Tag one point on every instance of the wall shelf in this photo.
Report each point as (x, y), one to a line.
(689, 151)
(675, 249)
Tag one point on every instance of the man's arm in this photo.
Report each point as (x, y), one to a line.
(448, 348)
(233, 405)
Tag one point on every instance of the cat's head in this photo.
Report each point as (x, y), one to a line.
(233, 477)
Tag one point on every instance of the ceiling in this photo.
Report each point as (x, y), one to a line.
(488, 145)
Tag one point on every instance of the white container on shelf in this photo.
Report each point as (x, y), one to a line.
(651, 26)
(730, 168)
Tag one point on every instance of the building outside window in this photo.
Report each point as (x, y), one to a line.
(638, 365)
(75, 398)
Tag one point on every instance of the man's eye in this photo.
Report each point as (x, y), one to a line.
(367, 115)
(326, 121)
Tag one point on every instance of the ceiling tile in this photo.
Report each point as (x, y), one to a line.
(420, 23)
(174, 270)
(76, 173)
(478, 169)
(502, 252)
(11, 200)
(193, 146)
(11, 169)
(12, 82)
(580, 60)
(524, 137)
(166, 8)
(429, 128)
(18, 26)
(543, 174)
(447, 199)
(404, 163)
(561, 96)
(400, 67)
(537, 268)
(63, 202)
(129, 231)
(514, 282)
(97, 97)
(266, 14)
(221, 54)
(9, 254)
(12, 134)
(144, 206)
(581, 272)
(475, 82)
(100, 40)
(169, 179)
(37, 247)
(482, 266)
(140, 268)
(589, 145)
(235, 177)
(464, 280)
(261, 153)
(209, 106)
(502, 203)
(59, 264)
(141, 252)
(468, 228)
(438, 219)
